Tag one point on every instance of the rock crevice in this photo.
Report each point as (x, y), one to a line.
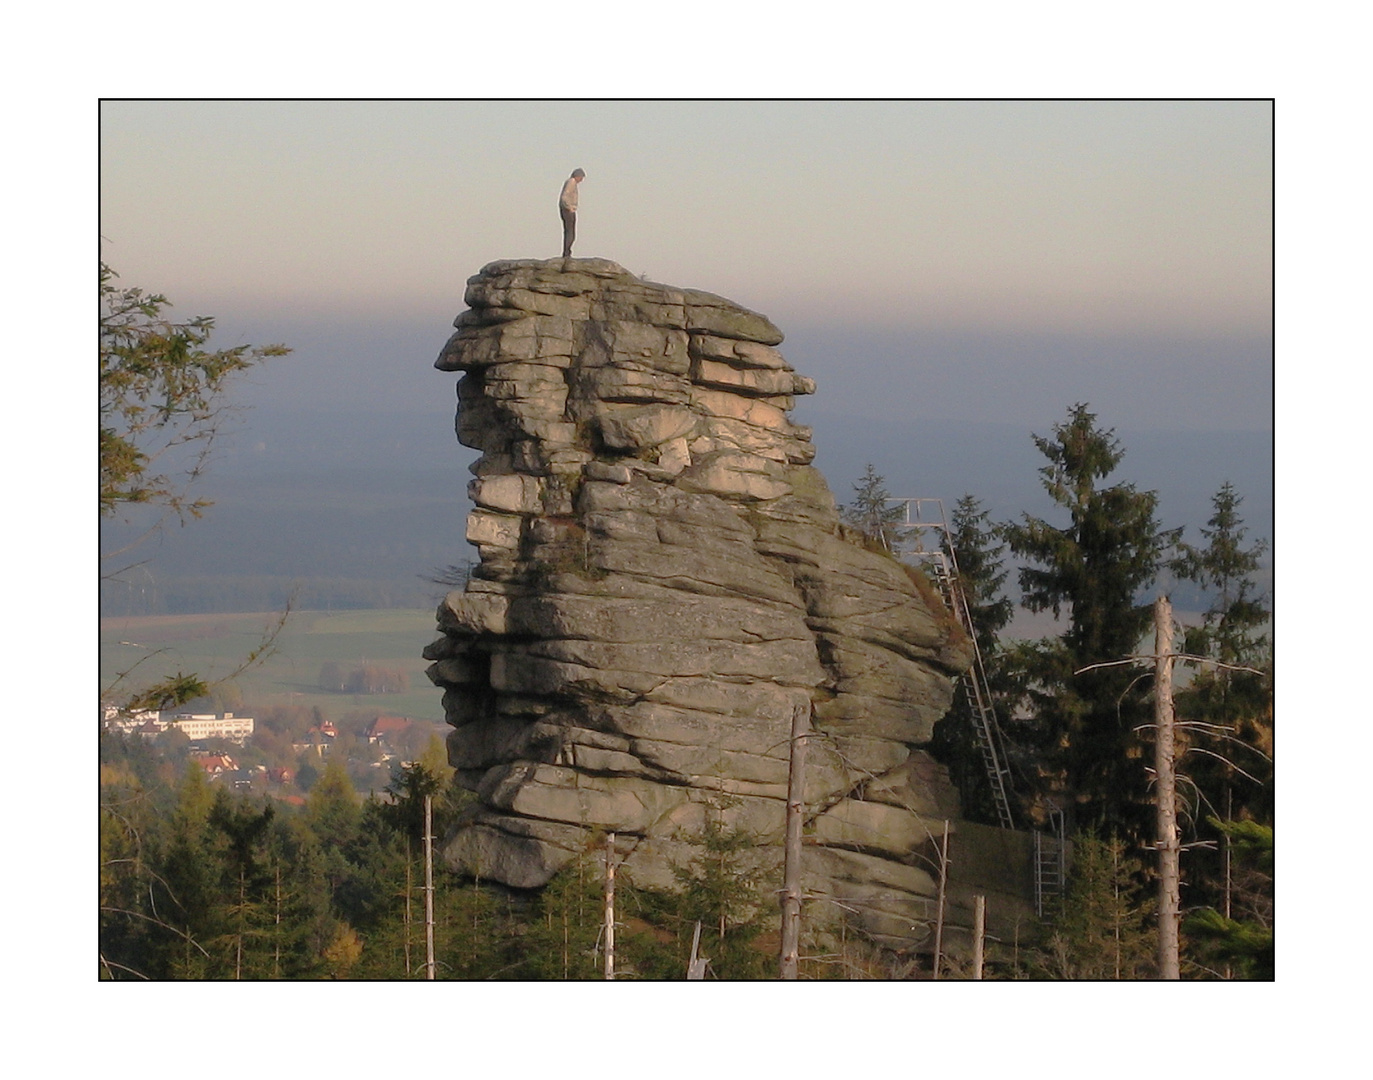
(663, 576)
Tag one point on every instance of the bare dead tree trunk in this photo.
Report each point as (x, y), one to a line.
(939, 910)
(979, 932)
(696, 966)
(791, 873)
(409, 874)
(1225, 849)
(242, 908)
(430, 971)
(276, 949)
(610, 906)
(1165, 794)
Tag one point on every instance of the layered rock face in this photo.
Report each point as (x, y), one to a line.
(663, 577)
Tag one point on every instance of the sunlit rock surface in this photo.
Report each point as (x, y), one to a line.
(663, 577)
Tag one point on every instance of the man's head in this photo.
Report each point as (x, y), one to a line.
(578, 175)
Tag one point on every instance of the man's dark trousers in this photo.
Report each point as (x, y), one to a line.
(569, 230)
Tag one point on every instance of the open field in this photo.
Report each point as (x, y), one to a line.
(214, 645)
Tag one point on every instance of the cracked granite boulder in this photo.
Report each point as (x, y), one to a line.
(663, 577)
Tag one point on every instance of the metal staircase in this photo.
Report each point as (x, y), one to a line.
(940, 561)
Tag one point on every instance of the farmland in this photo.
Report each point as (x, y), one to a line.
(213, 646)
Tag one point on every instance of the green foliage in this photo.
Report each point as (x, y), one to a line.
(411, 782)
(1226, 750)
(1105, 930)
(979, 554)
(722, 888)
(169, 693)
(1228, 709)
(1224, 567)
(562, 940)
(871, 510)
(202, 883)
(1095, 567)
(161, 407)
(1244, 944)
(332, 808)
(127, 824)
(160, 391)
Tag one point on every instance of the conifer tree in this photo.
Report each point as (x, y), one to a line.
(871, 510)
(298, 899)
(1095, 569)
(1225, 567)
(721, 887)
(979, 553)
(1104, 930)
(243, 887)
(128, 831)
(160, 391)
(331, 809)
(562, 938)
(1228, 707)
(1243, 939)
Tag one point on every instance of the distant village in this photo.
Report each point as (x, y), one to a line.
(383, 734)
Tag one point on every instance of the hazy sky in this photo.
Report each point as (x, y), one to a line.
(979, 260)
(1059, 216)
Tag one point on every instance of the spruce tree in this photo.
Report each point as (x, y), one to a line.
(562, 939)
(723, 888)
(1227, 708)
(128, 831)
(1225, 567)
(298, 899)
(1240, 943)
(1104, 931)
(979, 553)
(871, 510)
(1095, 568)
(244, 945)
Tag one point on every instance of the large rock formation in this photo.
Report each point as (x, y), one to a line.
(663, 577)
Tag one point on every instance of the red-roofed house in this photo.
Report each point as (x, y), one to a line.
(319, 738)
(387, 727)
(214, 764)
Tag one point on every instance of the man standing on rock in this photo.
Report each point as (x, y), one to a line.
(567, 206)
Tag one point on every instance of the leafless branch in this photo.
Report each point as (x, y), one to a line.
(1218, 664)
(108, 963)
(1112, 663)
(1149, 658)
(1202, 724)
(1226, 760)
(1201, 795)
(155, 922)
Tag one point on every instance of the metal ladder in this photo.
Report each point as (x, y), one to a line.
(943, 565)
(1050, 871)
